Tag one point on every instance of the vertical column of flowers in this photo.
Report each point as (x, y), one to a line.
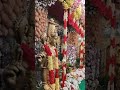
(64, 47)
(112, 60)
(111, 71)
(57, 86)
(50, 67)
(81, 54)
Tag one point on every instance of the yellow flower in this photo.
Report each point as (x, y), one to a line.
(65, 5)
(56, 63)
(75, 14)
(57, 86)
(50, 63)
(53, 86)
(70, 2)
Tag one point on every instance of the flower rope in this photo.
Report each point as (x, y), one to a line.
(111, 64)
(53, 74)
(82, 51)
(50, 67)
(112, 60)
(57, 86)
(64, 51)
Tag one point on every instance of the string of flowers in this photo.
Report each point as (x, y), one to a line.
(66, 4)
(74, 18)
(64, 50)
(76, 25)
(82, 51)
(50, 66)
(53, 74)
(112, 60)
(105, 10)
(111, 64)
(57, 86)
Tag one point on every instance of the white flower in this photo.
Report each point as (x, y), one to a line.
(65, 88)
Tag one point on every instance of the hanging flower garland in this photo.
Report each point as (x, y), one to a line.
(111, 65)
(50, 66)
(75, 14)
(108, 12)
(67, 4)
(82, 51)
(112, 60)
(105, 10)
(57, 86)
(64, 50)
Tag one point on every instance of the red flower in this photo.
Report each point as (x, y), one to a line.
(56, 73)
(113, 42)
(81, 51)
(109, 13)
(75, 25)
(99, 5)
(64, 52)
(82, 34)
(56, 52)
(47, 50)
(64, 39)
(112, 60)
(70, 19)
(28, 56)
(63, 79)
(65, 24)
(51, 77)
(82, 59)
(111, 79)
(113, 22)
(81, 67)
(103, 9)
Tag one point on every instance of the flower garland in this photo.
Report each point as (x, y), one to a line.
(74, 18)
(57, 86)
(50, 67)
(112, 60)
(64, 51)
(28, 56)
(67, 3)
(82, 51)
(76, 25)
(53, 74)
(106, 11)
